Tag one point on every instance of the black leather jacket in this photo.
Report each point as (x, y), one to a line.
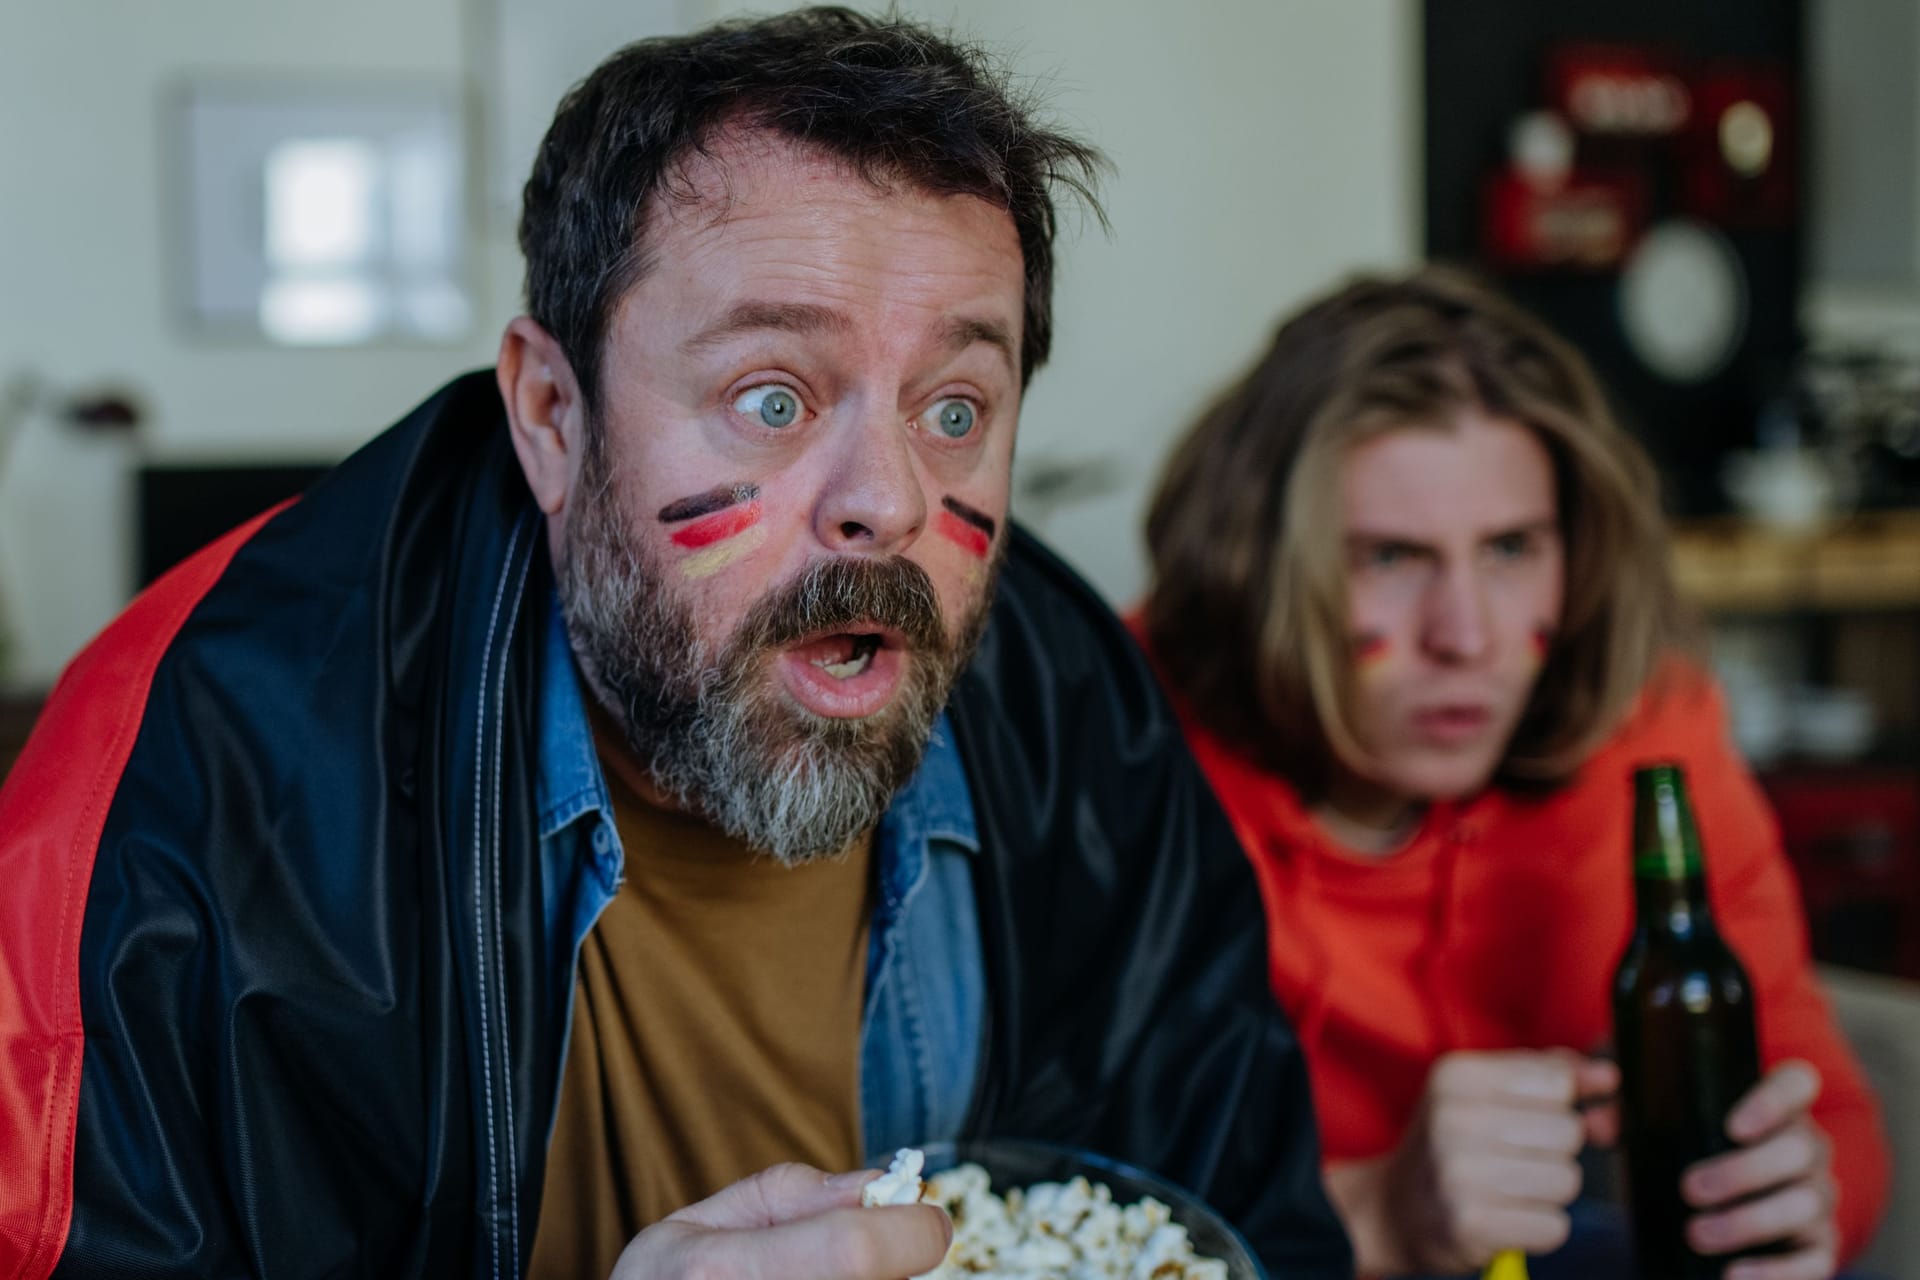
(320, 1034)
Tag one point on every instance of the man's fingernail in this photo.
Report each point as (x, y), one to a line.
(854, 1178)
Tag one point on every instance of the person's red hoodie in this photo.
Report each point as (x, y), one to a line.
(1500, 923)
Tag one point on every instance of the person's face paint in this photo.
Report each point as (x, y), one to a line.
(967, 528)
(1454, 572)
(1370, 650)
(719, 526)
(810, 366)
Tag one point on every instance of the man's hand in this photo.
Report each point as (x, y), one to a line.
(1490, 1162)
(1780, 1179)
(790, 1222)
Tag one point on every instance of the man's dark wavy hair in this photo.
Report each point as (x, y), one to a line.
(897, 101)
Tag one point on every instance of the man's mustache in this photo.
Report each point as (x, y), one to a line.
(847, 592)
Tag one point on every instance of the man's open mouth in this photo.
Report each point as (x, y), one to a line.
(842, 674)
(847, 654)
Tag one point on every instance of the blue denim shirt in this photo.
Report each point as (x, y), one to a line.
(920, 1034)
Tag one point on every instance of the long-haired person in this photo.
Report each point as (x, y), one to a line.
(1410, 589)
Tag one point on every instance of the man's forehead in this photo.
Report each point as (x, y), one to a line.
(759, 233)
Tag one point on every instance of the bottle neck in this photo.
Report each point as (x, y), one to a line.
(1669, 873)
(1673, 906)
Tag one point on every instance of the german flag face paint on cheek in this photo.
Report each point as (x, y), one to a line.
(717, 527)
(1369, 649)
(972, 531)
(1543, 634)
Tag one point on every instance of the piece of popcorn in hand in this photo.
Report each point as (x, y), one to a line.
(900, 1184)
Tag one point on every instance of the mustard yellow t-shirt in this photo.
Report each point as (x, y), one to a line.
(716, 1029)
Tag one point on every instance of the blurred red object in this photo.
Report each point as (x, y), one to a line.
(1587, 223)
(1739, 160)
(1853, 835)
(1618, 90)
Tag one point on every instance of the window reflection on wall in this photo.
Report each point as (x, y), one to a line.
(326, 219)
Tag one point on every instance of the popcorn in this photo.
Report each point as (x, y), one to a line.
(900, 1184)
(1050, 1231)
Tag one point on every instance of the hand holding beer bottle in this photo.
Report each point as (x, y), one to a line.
(1775, 1188)
(1728, 1174)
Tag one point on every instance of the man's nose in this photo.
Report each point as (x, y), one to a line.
(1456, 625)
(873, 500)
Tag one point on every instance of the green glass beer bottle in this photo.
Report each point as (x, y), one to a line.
(1683, 1024)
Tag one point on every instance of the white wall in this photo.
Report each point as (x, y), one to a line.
(85, 252)
(1264, 147)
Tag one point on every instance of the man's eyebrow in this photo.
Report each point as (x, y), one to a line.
(961, 332)
(782, 317)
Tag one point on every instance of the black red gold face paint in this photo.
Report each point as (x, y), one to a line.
(718, 526)
(966, 527)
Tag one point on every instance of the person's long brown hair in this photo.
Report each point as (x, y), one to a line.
(1246, 610)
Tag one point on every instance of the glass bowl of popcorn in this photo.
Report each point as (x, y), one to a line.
(1023, 1208)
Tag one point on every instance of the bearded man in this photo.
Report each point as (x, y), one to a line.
(645, 785)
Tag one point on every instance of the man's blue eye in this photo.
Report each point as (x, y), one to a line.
(953, 418)
(773, 405)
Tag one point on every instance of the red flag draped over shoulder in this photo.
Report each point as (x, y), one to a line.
(53, 807)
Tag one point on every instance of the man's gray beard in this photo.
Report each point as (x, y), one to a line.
(717, 735)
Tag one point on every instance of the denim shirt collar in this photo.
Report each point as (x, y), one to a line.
(934, 809)
(569, 782)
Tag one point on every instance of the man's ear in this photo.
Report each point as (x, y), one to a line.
(545, 413)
